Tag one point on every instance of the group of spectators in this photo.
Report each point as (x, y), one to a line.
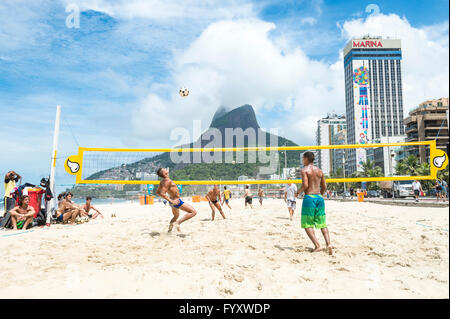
(22, 214)
(68, 211)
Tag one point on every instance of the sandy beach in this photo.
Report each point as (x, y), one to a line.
(380, 252)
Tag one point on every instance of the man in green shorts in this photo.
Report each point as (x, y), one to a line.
(313, 207)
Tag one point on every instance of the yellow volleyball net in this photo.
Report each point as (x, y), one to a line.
(245, 165)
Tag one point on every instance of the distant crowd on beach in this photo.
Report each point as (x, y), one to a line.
(19, 212)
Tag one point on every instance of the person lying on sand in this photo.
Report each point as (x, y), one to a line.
(22, 214)
(168, 186)
(313, 207)
(87, 207)
(214, 200)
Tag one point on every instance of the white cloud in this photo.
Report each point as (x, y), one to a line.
(308, 20)
(169, 9)
(425, 66)
(317, 4)
(234, 63)
(21, 25)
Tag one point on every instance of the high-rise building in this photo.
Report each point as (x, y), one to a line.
(338, 155)
(386, 157)
(373, 94)
(429, 121)
(330, 131)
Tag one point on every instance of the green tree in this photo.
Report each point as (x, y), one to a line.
(408, 166)
(371, 170)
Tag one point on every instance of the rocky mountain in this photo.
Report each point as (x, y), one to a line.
(240, 119)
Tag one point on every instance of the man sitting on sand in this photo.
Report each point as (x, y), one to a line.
(226, 196)
(313, 207)
(22, 214)
(168, 186)
(214, 200)
(87, 207)
(68, 210)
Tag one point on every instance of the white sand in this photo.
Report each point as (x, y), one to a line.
(381, 252)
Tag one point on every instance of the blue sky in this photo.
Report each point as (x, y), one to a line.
(117, 76)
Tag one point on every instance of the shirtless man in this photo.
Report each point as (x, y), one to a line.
(87, 207)
(168, 186)
(23, 213)
(313, 207)
(248, 197)
(214, 200)
(68, 210)
(260, 195)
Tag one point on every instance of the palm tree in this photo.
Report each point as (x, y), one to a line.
(336, 186)
(408, 166)
(424, 170)
(371, 170)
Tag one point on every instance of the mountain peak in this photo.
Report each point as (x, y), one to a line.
(241, 117)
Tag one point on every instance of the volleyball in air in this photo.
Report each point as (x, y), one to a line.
(184, 91)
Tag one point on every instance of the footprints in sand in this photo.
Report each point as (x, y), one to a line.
(235, 277)
(155, 234)
(152, 234)
(283, 248)
(272, 234)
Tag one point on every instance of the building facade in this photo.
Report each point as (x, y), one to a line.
(330, 131)
(338, 155)
(429, 121)
(386, 157)
(373, 94)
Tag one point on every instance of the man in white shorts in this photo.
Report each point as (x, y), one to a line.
(417, 188)
(290, 198)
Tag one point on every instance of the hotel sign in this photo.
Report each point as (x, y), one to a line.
(367, 44)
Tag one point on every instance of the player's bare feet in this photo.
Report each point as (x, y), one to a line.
(177, 226)
(317, 249)
(170, 228)
(330, 250)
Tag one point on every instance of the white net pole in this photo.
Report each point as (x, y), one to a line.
(53, 164)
